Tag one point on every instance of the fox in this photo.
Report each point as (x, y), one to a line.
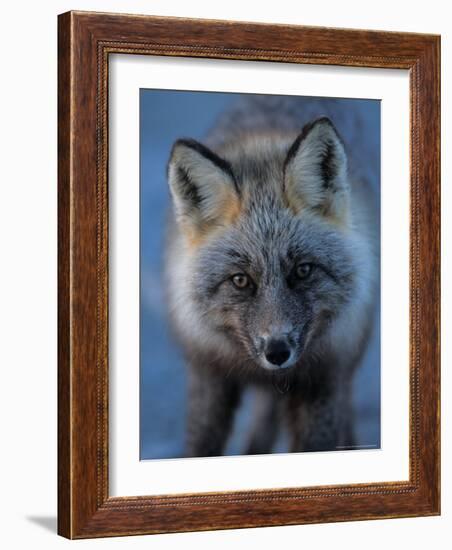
(272, 275)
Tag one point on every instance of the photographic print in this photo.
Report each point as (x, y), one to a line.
(260, 274)
(248, 275)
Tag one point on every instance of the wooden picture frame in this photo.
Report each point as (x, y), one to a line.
(85, 42)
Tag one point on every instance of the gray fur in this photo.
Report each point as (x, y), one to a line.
(323, 320)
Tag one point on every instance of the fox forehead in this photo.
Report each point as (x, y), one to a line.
(268, 246)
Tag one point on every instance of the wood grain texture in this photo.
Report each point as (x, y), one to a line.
(85, 42)
(64, 295)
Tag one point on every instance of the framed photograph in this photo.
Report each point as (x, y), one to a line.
(248, 275)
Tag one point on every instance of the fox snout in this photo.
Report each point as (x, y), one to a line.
(276, 352)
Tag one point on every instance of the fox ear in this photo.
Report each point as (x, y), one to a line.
(202, 185)
(315, 171)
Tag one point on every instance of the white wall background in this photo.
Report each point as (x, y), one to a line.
(28, 270)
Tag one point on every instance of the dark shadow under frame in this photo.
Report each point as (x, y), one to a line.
(85, 41)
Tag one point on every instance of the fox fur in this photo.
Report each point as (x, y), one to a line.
(272, 275)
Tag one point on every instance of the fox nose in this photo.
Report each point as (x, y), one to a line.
(277, 352)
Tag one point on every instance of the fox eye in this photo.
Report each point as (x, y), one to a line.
(303, 270)
(240, 281)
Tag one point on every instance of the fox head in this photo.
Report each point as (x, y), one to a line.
(266, 224)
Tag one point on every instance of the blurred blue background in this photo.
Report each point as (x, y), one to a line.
(164, 117)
